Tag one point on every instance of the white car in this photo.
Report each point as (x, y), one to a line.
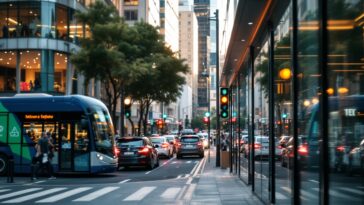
(164, 148)
(204, 137)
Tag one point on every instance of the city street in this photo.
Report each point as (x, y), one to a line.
(173, 182)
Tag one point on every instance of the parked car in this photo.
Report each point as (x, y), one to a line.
(190, 145)
(163, 147)
(136, 151)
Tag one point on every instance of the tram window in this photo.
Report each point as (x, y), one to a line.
(32, 131)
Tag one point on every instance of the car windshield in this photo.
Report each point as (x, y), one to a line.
(170, 138)
(130, 143)
(189, 139)
(158, 140)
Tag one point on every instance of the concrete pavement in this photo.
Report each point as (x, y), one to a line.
(216, 186)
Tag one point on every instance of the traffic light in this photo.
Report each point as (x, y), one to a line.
(205, 120)
(127, 107)
(160, 123)
(224, 102)
(164, 117)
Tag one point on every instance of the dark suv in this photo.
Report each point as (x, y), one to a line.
(136, 151)
(190, 145)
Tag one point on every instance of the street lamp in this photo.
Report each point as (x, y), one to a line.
(207, 114)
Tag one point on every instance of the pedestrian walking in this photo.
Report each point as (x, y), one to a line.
(44, 144)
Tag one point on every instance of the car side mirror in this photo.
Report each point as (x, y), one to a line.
(156, 146)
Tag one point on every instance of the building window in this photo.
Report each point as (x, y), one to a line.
(8, 71)
(131, 2)
(131, 15)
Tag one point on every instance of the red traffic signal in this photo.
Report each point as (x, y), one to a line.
(205, 120)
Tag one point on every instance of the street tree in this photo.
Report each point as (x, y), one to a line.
(163, 80)
(100, 56)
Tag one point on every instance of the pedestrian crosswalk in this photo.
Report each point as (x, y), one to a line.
(126, 194)
(41, 195)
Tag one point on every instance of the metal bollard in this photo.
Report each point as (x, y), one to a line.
(10, 178)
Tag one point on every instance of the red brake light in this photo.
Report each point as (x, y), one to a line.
(302, 150)
(143, 150)
(199, 144)
(116, 151)
(257, 146)
(340, 148)
(179, 144)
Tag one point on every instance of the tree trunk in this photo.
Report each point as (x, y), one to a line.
(141, 111)
(147, 106)
(132, 126)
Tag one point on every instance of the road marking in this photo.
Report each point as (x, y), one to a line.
(308, 194)
(140, 194)
(19, 193)
(181, 193)
(352, 190)
(195, 167)
(280, 196)
(160, 166)
(34, 195)
(186, 176)
(188, 162)
(4, 190)
(124, 181)
(314, 181)
(179, 176)
(196, 161)
(189, 192)
(38, 182)
(344, 196)
(189, 180)
(287, 189)
(174, 163)
(96, 194)
(200, 166)
(64, 195)
(171, 193)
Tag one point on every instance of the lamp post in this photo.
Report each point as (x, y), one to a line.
(208, 114)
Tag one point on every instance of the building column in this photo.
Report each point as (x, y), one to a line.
(69, 77)
(80, 84)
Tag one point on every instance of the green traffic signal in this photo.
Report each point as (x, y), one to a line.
(224, 114)
(224, 91)
(207, 114)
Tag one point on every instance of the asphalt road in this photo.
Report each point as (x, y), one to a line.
(173, 182)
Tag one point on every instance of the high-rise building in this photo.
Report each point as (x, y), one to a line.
(202, 10)
(141, 10)
(189, 51)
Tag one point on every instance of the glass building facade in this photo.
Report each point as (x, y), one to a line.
(36, 39)
(298, 95)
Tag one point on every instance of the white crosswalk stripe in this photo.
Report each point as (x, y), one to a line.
(4, 190)
(64, 195)
(19, 193)
(308, 194)
(97, 194)
(140, 194)
(34, 195)
(355, 191)
(171, 193)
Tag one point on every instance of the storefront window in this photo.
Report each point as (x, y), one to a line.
(244, 122)
(283, 109)
(30, 64)
(131, 2)
(261, 119)
(60, 69)
(7, 71)
(346, 101)
(4, 32)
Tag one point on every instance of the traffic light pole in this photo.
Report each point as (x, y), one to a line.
(122, 129)
(217, 91)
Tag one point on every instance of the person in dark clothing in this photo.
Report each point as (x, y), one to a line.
(44, 144)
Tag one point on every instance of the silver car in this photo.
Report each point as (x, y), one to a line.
(164, 148)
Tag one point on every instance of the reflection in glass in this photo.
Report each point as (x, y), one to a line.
(261, 119)
(104, 132)
(283, 109)
(346, 101)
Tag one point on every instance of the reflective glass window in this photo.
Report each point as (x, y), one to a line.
(30, 66)
(7, 71)
(346, 101)
(61, 22)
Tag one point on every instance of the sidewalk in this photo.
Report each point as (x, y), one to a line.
(217, 186)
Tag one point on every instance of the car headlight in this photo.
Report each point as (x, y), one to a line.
(100, 157)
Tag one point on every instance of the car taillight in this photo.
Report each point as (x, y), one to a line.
(165, 145)
(279, 147)
(340, 148)
(143, 150)
(179, 144)
(302, 150)
(199, 144)
(116, 151)
(257, 146)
